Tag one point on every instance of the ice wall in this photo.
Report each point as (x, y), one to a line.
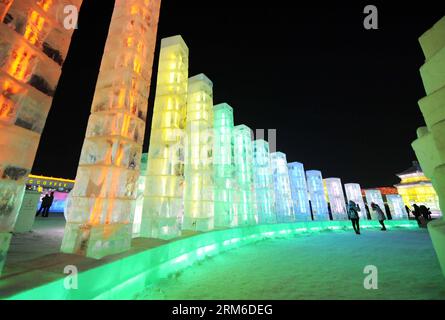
(283, 196)
(354, 193)
(245, 193)
(299, 191)
(101, 205)
(33, 48)
(376, 197)
(223, 166)
(430, 144)
(163, 197)
(263, 183)
(317, 195)
(396, 206)
(336, 198)
(198, 170)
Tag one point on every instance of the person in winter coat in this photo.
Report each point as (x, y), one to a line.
(380, 215)
(417, 213)
(353, 210)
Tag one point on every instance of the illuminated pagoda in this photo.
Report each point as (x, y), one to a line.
(34, 43)
(416, 188)
(163, 203)
(198, 166)
(317, 196)
(263, 182)
(243, 156)
(101, 206)
(336, 198)
(299, 191)
(284, 207)
(223, 166)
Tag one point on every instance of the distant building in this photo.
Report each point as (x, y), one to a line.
(415, 187)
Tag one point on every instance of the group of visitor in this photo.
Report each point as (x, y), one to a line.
(353, 214)
(420, 212)
(47, 202)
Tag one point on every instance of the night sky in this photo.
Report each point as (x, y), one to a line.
(343, 99)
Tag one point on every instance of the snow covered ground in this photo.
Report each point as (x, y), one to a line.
(327, 265)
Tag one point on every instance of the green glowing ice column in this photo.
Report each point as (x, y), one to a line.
(163, 198)
(376, 197)
(243, 153)
(263, 182)
(283, 195)
(198, 170)
(430, 144)
(317, 195)
(223, 166)
(101, 206)
(298, 185)
(396, 206)
(336, 198)
(354, 193)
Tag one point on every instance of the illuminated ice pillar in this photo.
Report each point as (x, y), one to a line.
(263, 182)
(283, 195)
(140, 197)
(243, 156)
(33, 47)
(298, 186)
(317, 195)
(163, 197)
(336, 198)
(376, 197)
(223, 166)
(198, 171)
(101, 206)
(354, 193)
(396, 206)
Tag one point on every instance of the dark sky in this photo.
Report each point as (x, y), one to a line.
(343, 99)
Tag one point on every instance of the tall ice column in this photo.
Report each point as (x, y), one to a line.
(243, 153)
(354, 193)
(101, 205)
(374, 195)
(198, 169)
(298, 186)
(263, 182)
(396, 206)
(223, 166)
(283, 195)
(316, 195)
(163, 204)
(33, 47)
(336, 198)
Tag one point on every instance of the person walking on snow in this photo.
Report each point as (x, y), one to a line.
(380, 215)
(353, 210)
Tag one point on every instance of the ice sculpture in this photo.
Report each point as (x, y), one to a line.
(283, 197)
(223, 166)
(198, 169)
(316, 195)
(374, 195)
(33, 47)
(263, 182)
(101, 205)
(354, 193)
(430, 144)
(298, 186)
(137, 219)
(163, 198)
(336, 198)
(243, 156)
(396, 206)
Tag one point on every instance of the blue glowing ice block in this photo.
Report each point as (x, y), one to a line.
(316, 195)
(263, 182)
(374, 195)
(283, 195)
(354, 193)
(336, 198)
(299, 191)
(396, 206)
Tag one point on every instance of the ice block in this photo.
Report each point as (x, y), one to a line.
(299, 191)
(336, 198)
(316, 195)
(354, 193)
(283, 196)
(162, 208)
(396, 206)
(100, 208)
(374, 195)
